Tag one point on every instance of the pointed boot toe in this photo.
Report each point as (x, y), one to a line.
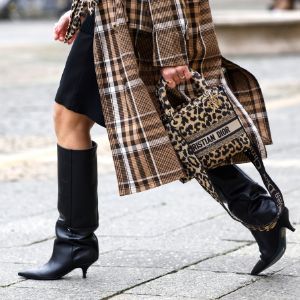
(272, 244)
(50, 272)
(259, 267)
(35, 273)
(31, 274)
(262, 265)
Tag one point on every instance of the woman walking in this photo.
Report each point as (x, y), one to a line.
(119, 53)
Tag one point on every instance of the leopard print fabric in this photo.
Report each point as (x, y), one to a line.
(199, 117)
(79, 9)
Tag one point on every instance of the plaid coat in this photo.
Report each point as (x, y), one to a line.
(133, 40)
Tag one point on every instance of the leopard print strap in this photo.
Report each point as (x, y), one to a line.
(79, 8)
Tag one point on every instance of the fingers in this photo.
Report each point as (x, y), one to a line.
(167, 73)
(60, 28)
(183, 73)
(177, 79)
(176, 75)
(171, 83)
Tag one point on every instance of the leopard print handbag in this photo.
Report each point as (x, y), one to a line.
(206, 133)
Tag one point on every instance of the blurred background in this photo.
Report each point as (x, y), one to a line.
(262, 36)
(16, 9)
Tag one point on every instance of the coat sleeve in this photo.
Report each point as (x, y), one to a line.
(169, 33)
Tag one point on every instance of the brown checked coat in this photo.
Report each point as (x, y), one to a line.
(133, 40)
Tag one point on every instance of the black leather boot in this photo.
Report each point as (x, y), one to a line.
(251, 203)
(75, 245)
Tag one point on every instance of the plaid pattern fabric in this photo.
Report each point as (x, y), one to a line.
(142, 152)
(133, 40)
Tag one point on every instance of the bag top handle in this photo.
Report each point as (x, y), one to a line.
(197, 78)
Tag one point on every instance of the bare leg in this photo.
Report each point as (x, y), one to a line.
(72, 129)
(284, 4)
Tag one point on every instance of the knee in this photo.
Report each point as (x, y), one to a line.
(67, 121)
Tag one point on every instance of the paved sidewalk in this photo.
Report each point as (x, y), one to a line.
(173, 242)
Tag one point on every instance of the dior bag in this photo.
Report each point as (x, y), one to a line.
(206, 133)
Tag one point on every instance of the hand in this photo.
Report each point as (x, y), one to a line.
(60, 28)
(176, 75)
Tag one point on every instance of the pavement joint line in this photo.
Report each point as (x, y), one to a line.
(238, 241)
(15, 262)
(13, 283)
(169, 231)
(154, 295)
(253, 242)
(130, 267)
(259, 278)
(239, 288)
(30, 244)
(192, 223)
(220, 272)
(38, 242)
(175, 271)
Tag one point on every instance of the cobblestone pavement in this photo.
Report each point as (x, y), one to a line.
(173, 242)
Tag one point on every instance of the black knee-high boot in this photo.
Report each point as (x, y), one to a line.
(248, 201)
(75, 245)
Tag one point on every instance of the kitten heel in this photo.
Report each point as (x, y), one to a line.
(285, 220)
(84, 270)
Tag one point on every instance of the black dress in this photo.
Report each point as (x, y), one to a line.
(78, 89)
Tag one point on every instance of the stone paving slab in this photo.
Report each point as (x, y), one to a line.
(32, 198)
(99, 280)
(271, 288)
(243, 260)
(156, 220)
(8, 274)
(293, 269)
(27, 231)
(168, 259)
(129, 296)
(189, 283)
(36, 293)
(216, 232)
